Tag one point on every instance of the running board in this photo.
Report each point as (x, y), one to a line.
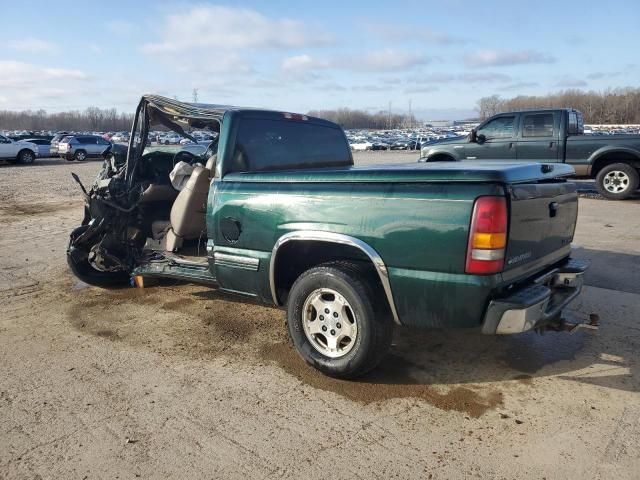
(203, 262)
(177, 268)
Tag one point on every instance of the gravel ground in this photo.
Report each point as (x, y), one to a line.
(178, 381)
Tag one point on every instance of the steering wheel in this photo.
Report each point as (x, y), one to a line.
(184, 156)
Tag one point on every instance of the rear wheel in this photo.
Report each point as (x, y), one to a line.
(80, 156)
(335, 321)
(26, 157)
(617, 181)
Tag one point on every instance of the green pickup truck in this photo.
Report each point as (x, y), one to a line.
(275, 211)
(549, 136)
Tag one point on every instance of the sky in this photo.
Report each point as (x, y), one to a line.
(435, 58)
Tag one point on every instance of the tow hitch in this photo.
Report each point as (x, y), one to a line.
(572, 327)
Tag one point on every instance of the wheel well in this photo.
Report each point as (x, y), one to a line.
(296, 257)
(24, 150)
(614, 157)
(441, 157)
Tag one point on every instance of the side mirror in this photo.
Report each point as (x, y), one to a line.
(481, 138)
(472, 136)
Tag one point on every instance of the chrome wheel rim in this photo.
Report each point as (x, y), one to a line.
(616, 181)
(329, 323)
(27, 157)
(80, 156)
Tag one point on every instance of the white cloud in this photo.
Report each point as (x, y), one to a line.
(402, 33)
(229, 28)
(385, 60)
(423, 89)
(521, 85)
(371, 88)
(495, 58)
(571, 82)
(301, 63)
(32, 45)
(437, 77)
(19, 74)
(483, 77)
(26, 85)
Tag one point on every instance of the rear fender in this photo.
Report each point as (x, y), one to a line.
(612, 154)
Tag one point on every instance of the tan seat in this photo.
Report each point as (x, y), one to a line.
(188, 213)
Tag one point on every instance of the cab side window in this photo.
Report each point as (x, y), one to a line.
(538, 125)
(501, 127)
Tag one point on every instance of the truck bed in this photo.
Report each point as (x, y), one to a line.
(481, 171)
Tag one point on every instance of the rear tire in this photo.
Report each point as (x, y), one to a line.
(357, 325)
(80, 156)
(617, 181)
(26, 157)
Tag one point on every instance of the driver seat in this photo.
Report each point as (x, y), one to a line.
(189, 210)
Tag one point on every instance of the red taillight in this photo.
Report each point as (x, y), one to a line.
(487, 236)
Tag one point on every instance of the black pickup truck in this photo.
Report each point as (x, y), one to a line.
(555, 135)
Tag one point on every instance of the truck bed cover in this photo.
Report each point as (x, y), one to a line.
(485, 171)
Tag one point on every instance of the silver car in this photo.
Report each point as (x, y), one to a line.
(44, 146)
(81, 147)
(55, 141)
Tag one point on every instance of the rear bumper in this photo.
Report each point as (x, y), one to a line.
(538, 303)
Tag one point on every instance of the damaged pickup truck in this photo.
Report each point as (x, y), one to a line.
(275, 210)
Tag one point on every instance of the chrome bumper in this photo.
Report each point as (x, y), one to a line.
(537, 304)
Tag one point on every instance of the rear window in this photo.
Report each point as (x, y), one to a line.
(264, 144)
(538, 125)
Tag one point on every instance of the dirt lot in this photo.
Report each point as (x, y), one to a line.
(181, 382)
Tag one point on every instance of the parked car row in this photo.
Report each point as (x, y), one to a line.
(400, 139)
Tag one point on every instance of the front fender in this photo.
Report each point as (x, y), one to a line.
(428, 153)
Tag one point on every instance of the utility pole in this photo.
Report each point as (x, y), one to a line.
(410, 115)
(195, 95)
(389, 117)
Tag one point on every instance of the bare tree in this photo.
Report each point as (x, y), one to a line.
(92, 119)
(621, 105)
(360, 119)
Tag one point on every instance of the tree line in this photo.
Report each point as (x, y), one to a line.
(92, 119)
(611, 106)
(348, 118)
(109, 119)
(621, 105)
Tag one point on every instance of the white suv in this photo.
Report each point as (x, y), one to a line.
(17, 152)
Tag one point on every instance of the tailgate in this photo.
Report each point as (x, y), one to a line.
(542, 221)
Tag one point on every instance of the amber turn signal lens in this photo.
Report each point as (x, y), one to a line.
(489, 240)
